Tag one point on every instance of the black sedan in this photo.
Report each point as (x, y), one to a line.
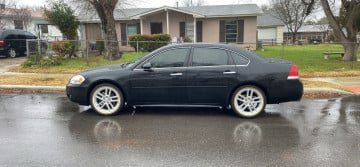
(194, 75)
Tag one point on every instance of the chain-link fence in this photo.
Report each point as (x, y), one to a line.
(316, 56)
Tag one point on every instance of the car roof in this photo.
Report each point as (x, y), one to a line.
(231, 47)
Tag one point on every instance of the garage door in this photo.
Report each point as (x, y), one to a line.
(267, 34)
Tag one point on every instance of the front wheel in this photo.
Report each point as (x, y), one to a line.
(12, 53)
(106, 99)
(248, 101)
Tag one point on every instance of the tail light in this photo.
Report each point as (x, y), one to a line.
(2, 43)
(293, 74)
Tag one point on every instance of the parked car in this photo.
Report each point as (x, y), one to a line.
(13, 42)
(204, 75)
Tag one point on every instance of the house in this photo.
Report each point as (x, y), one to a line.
(29, 20)
(270, 29)
(234, 24)
(310, 34)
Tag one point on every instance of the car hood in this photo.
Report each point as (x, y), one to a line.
(103, 69)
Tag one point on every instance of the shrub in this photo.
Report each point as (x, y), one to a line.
(63, 48)
(148, 43)
(39, 61)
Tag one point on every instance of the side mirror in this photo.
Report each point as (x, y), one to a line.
(146, 66)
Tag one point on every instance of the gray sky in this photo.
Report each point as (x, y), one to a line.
(159, 3)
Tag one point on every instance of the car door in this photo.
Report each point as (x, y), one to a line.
(161, 79)
(209, 74)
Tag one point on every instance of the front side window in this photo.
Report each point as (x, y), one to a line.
(170, 58)
(209, 57)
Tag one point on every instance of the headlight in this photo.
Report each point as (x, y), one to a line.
(77, 79)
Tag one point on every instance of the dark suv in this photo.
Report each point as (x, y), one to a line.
(13, 42)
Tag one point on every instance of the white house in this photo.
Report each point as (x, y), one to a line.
(269, 29)
(35, 24)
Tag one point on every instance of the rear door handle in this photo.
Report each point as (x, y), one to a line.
(229, 72)
(176, 74)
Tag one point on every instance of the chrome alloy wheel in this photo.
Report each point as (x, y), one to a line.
(106, 99)
(248, 101)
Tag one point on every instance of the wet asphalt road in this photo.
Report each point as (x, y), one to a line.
(48, 130)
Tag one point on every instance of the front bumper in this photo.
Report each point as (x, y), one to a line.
(77, 94)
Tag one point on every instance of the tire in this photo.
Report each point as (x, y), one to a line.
(12, 53)
(106, 99)
(248, 101)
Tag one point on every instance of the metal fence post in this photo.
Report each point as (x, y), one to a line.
(137, 47)
(87, 52)
(282, 50)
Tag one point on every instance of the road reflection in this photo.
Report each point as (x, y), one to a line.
(189, 128)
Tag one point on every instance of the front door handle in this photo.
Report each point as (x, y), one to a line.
(176, 74)
(229, 72)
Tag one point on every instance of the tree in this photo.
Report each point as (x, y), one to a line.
(292, 12)
(189, 3)
(61, 15)
(349, 14)
(345, 26)
(105, 11)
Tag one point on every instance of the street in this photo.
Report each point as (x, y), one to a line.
(49, 130)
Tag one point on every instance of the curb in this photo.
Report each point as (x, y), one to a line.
(33, 89)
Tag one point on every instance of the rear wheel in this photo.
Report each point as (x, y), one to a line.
(12, 53)
(106, 99)
(248, 101)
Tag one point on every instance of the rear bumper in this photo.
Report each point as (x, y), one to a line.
(289, 90)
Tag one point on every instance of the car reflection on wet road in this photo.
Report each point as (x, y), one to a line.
(48, 130)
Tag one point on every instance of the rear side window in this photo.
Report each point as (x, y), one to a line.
(209, 57)
(239, 59)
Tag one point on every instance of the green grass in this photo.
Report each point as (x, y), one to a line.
(309, 58)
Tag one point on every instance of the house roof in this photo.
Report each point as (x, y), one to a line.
(310, 28)
(197, 11)
(268, 19)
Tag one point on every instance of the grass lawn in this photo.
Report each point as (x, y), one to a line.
(309, 59)
(71, 66)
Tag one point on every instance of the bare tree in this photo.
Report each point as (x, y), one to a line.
(293, 13)
(189, 3)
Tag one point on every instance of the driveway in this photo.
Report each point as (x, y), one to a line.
(8, 63)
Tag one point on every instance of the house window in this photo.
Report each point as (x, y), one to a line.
(156, 28)
(44, 28)
(189, 30)
(132, 29)
(231, 31)
(18, 24)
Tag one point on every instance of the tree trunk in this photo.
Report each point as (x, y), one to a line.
(350, 49)
(293, 38)
(105, 10)
(112, 51)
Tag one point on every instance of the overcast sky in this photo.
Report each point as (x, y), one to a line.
(159, 3)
